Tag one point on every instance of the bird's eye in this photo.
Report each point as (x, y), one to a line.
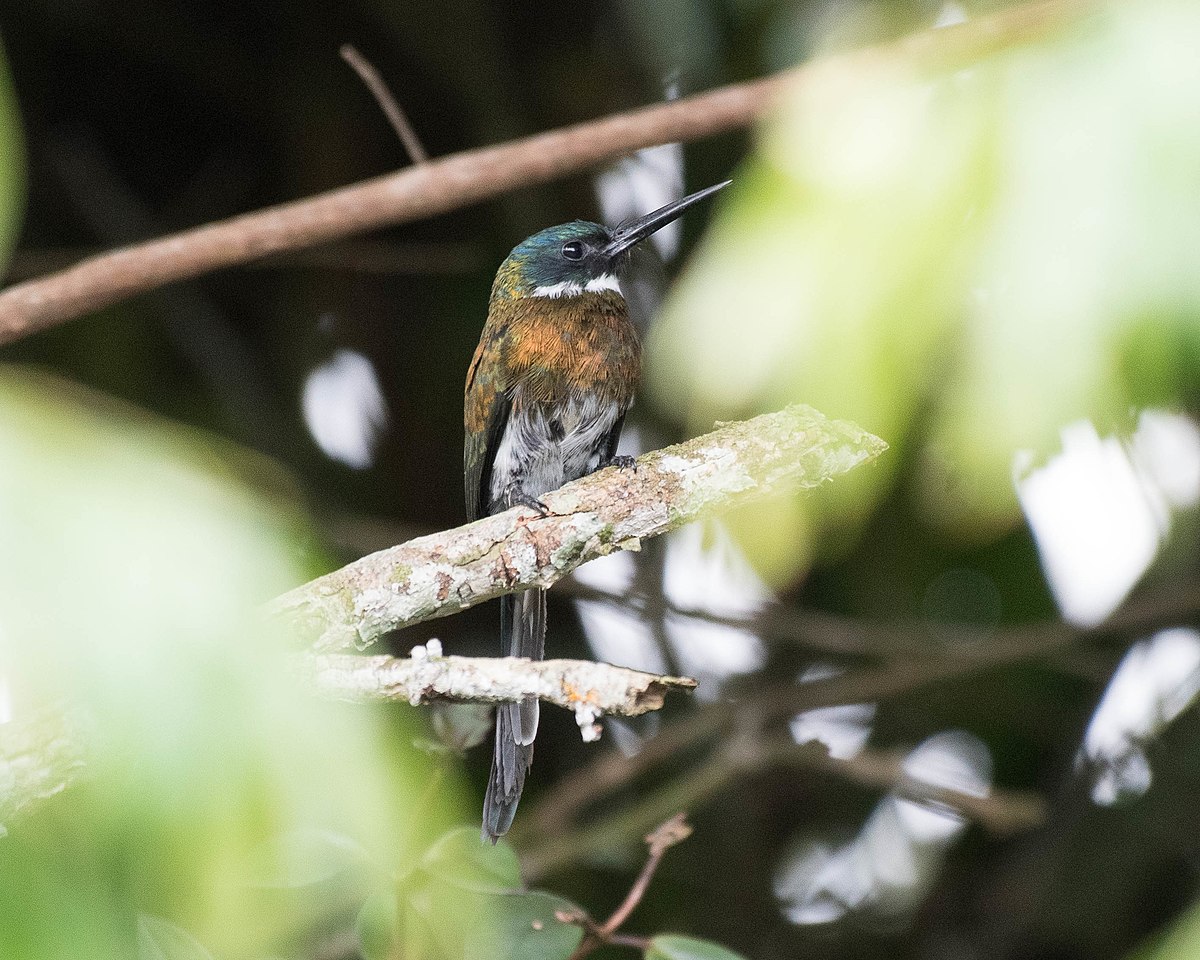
(573, 250)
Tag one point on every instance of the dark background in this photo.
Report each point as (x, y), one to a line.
(147, 117)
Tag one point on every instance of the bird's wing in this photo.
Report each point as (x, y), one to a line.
(486, 408)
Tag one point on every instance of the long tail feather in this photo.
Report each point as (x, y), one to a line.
(522, 634)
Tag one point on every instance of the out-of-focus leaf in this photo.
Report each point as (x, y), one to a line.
(669, 947)
(1181, 941)
(961, 263)
(160, 940)
(494, 918)
(12, 165)
(311, 855)
(144, 554)
(525, 928)
(460, 859)
(376, 925)
(487, 926)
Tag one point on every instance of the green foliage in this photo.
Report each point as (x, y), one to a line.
(961, 263)
(219, 795)
(527, 928)
(462, 860)
(12, 165)
(669, 947)
(494, 917)
(159, 940)
(1181, 941)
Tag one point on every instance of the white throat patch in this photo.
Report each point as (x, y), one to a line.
(605, 282)
(569, 288)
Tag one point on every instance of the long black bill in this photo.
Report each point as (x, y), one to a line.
(630, 232)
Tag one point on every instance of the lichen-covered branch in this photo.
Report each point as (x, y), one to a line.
(45, 752)
(588, 689)
(614, 509)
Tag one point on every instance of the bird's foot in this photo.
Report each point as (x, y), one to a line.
(623, 462)
(526, 500)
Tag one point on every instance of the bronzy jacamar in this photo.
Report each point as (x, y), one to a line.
(547, 392)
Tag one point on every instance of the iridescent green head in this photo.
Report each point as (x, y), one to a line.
(580, 257)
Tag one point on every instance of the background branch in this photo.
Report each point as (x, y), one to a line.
(741, 757)
(455, 181)
(611, 510)
(925, 659)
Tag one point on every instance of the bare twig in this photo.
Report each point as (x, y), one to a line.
(368, 257)
(659, 841)
(1001, 812)
(387, 103)
(611, 510)
(455, 181)
(43, 754)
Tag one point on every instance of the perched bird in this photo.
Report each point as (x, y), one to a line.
(546, 394)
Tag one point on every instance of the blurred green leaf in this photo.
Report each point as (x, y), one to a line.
(1180, 942)
(671, 947)
(461, 726)
(486, 926)
(376, 925)
(495, 918)
(526, 928)
(309, 856)
(12, 165)
(462, 860)
(160, 940)
(146, 550)
(962, 263)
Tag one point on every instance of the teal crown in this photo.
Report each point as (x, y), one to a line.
(555, 259)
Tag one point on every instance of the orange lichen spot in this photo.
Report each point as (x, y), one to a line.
(575, 695)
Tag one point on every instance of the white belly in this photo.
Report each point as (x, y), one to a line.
(544, 447)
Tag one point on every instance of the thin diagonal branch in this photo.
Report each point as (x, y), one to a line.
(611, 510)
(461, 179)
(387, 103)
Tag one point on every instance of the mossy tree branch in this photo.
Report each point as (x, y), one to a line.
(614, 509)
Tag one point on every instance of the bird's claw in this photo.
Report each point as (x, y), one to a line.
(525, 500)
(623, 462)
